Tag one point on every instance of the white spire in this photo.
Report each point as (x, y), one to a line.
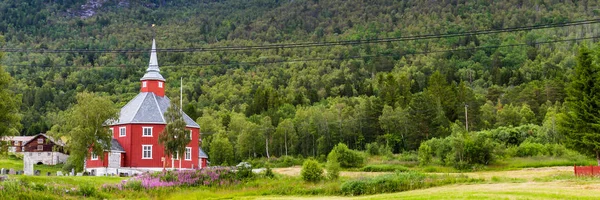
(153, 73)
(153, 65)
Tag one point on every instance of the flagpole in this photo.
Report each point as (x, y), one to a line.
(181, 94)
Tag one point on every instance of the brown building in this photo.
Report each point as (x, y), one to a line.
(43, 143)
(15, 143)
(43, 149)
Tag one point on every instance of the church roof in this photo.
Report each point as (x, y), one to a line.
(148, 108)
(153, 73)
(201, 153)
(116, 146)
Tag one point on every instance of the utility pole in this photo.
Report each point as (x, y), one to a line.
(466, 117)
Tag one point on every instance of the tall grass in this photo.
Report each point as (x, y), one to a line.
(384, 168)
(401, 182)
(542, 161)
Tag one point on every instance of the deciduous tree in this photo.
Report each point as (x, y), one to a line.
(84, 127)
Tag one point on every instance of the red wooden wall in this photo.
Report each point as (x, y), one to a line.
(152, 86)
(587, 170)
(47, 145)
(133, 141)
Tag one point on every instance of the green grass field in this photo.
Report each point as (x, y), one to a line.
(517, 178)
(12, 162)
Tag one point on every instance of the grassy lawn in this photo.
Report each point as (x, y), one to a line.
(529, 183)
(506, 179)
(71, 181)
(539, 161)
(525, 190)
(11, 162)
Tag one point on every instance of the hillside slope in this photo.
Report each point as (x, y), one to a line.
(351, 93)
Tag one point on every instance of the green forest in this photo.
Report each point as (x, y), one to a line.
(509, 86)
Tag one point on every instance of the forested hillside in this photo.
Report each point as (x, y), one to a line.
(303, 101)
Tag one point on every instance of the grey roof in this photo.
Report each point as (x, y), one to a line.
(17, 138)
(201, 153)
(148, 108)
(153, 72)
(116, 146)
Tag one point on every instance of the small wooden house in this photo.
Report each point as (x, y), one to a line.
(43, 149)
(15, 143)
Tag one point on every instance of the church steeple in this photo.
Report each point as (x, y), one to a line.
(153, 81)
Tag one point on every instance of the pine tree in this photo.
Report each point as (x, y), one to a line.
(582, 124)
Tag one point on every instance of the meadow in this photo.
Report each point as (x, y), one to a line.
(381, 178)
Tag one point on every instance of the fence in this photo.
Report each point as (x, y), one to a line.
(587, 170)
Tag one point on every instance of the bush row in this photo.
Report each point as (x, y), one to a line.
(468, 150)
(384, 168)
(347, 157)
(402, 181)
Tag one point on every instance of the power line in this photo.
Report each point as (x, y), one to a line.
(334, 58)
(311, 44)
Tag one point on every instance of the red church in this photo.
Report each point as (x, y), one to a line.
(134, 147)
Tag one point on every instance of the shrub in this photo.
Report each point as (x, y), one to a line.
(288, 161)
(556, 150)
(531, 149)
(333, 166)
(311, 171)
(372, 148)
(207, 177)
(135, 185)
(385, 168)
(347, 157)
(478, 150)
(244, 173)
(386, 151)
(269, 172)
(283, 161)
(400, 182)
(169, 176)
(513, 136)
(87, 190)
(408, 156)
(424, 154)
(354, 187)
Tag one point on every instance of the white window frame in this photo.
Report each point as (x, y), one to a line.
(188, 153)
(40, 140)
(111, 131)
(40, 147)
(94, 156)
(176, 156)
(144, 150)
(160, 84)
(191, 134)
(122, 131)
(144, 131)
(144, 84)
